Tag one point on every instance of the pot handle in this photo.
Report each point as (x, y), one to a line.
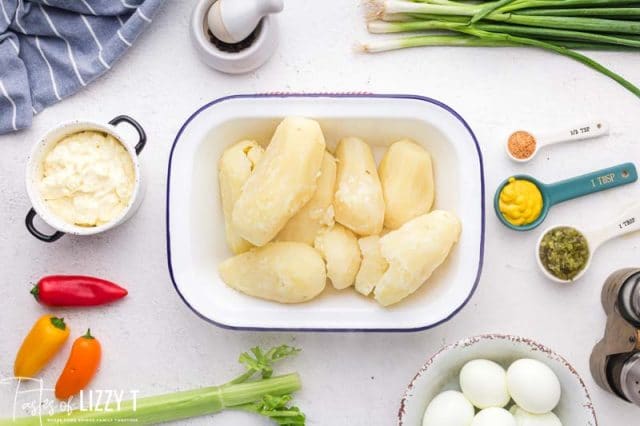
(142, 136)
(39, 235)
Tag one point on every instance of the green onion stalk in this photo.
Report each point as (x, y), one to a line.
(559, 26)
(267, 396)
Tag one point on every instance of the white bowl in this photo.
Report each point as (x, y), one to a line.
(195, 225)
(34, 175)
(441, 372)
(244, 61)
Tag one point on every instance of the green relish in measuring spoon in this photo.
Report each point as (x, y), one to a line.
(564, 252)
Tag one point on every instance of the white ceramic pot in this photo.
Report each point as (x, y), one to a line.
(34, 174)
(243, 61)
(441, 373)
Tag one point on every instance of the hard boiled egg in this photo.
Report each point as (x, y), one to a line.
(494, 417)
(484, 383)
(524, 418)
(533, 386)
(450, 408)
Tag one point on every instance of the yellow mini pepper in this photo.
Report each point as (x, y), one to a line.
(44, 340)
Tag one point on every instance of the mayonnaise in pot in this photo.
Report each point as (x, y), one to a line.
(87, 178)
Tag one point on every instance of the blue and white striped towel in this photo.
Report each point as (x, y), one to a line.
(50, 49)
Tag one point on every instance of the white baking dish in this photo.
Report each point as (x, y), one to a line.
(195, 226)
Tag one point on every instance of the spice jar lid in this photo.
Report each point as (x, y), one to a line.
(629, 299)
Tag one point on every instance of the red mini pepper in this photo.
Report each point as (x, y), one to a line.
(76, 290)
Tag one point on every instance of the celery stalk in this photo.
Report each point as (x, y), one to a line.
(267, 396)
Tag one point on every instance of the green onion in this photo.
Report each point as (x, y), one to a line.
(430, 40)
(567, 22)
(559, 26)
(460, 40)
(381, 27)
(489, 8)
(267, 396)
(530, 4)
(618, 12)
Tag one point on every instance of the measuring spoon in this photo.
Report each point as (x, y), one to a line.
(589, 130)
(627, 222)
(569, 189)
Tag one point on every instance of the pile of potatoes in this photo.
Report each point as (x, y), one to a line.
(296, 215)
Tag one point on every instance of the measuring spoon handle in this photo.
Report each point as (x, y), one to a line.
(627, 222)
(601, 180)
(589, 130)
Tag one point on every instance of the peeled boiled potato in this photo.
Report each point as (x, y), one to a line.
(524, 418)
(358, 203)
(413, 252)
(318, 212)
(484, 383)
(285, 272)
(449, 408)
(406, 175)
(339, 247)
(234, 168)
(373, 264)
(283, 181)
(494, 417)
(533, 386)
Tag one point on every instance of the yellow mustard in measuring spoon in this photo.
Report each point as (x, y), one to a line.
(520, 202)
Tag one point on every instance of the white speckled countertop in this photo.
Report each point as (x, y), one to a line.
(153, 343)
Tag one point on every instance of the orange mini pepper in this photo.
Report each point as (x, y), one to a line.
(81, 366)
(44, 340)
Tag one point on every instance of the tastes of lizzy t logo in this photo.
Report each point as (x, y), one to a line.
(32, 398)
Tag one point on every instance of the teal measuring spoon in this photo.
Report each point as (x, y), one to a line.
(559, 192)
